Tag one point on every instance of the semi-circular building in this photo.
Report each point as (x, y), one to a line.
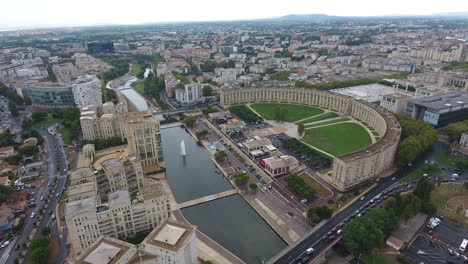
(351, 169)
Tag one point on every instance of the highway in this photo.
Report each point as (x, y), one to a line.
(314, 240)
(57, 165)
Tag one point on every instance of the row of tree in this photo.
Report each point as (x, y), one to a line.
(372, 229)
(209, 66)
(10, 94)
(300, 186)
(455, 130)
(119, 68)
(416, 137)
(280, 76)
(152, 86)
(101, 143)
(245, 113)
(316, 158)
(317, 214)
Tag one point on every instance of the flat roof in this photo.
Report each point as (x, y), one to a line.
(170, 234)
(110, 163)
(444, 101)
(80, 206)
(81, 188)
(81, 173)
(119, 197)
(103, 254)
(398, 96)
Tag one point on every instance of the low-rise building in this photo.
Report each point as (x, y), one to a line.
(395, 102)
(279, 165)
(463, 144)
(49, 95)
(7, 152)
(428, 92)
(440, 110)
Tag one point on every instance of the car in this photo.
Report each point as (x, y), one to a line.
(50, 212)
(330, 238)
(393, 178)
(457, 254)
(53, 216)
(1, 238)
(42, 197)
(33, 215)
(334, 230)
(17, 247)
(309, 251)
(362, 198)
(5, 244)
(57, 195)
(450, 251)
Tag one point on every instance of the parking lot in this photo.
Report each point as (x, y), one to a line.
(450, 233)
(424, 250)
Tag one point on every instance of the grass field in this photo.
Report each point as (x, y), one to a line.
(139, 87)
(48, 121)
(430, 170)
(66, 134)
(295, 112)
(338, 139)
(328, 122)
(447, 160)
(136, 68)
(318, 118)
(445, 192)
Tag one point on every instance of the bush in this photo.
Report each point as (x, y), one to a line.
(405, 260)
(245, 113)
(299, 186)
(104, 143)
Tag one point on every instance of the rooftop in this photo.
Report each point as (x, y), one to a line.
(81, 173)
(119, 197)
(444, 102)
(170, 235)
(80, 206)
(398, 96)
(109, 163)
(105, 250)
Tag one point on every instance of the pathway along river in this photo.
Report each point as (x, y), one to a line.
(229, 221)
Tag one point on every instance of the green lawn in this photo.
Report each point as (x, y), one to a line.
(328, 122)
(139, 87)
(338, 139)
(48, 121)
(369, 259)
(319, 118)
(295, 112)
(136, 68)
(447, 160)
(429, 170)
(66, 134)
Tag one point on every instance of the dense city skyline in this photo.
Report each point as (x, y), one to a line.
(52, 13)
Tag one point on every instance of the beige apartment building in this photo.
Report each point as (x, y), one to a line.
(170, 243)
(144, 140)
(120, 217)
(349, 170)
(102, 123)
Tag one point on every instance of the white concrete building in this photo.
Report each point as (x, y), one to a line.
(87, 91)
(191, 93)
(395, 102)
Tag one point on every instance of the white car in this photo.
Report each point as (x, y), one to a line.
(33, 215)
(5, 244)
(309, 251)
(362, 198)
(339, 231)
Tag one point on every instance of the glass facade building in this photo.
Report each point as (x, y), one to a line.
(50, 95)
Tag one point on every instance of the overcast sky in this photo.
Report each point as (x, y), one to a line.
(37, 13)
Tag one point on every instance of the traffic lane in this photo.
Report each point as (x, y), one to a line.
(428, 251)
(451, 233)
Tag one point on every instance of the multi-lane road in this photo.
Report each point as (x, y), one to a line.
(57, 167)
(314, 240)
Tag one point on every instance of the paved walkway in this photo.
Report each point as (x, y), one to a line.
(208, 198)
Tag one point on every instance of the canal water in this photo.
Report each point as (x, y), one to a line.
(133, 95)
(229, 221)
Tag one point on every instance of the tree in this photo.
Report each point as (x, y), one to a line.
(299, 186)
(241, 178)
(29, 150)
(13, 109)
(27, 124)
(207, 90)
(300, 129)
(201, 134)
(45, 231)
(253, 186)
(423, 189)
(39, 242)
(324, 212)
(454, 130)
(220, 155)
(190, 121)
(38, 116)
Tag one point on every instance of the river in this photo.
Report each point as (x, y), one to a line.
(229, 221)
(132, 95)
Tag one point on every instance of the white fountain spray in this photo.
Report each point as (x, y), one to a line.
(182, 148)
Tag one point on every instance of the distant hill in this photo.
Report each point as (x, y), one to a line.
(452, 14)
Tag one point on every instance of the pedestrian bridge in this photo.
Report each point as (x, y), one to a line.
(207, 198)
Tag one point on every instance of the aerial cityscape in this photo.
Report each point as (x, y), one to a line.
(252, 139)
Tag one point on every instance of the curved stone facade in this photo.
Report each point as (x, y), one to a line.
(351, 169)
